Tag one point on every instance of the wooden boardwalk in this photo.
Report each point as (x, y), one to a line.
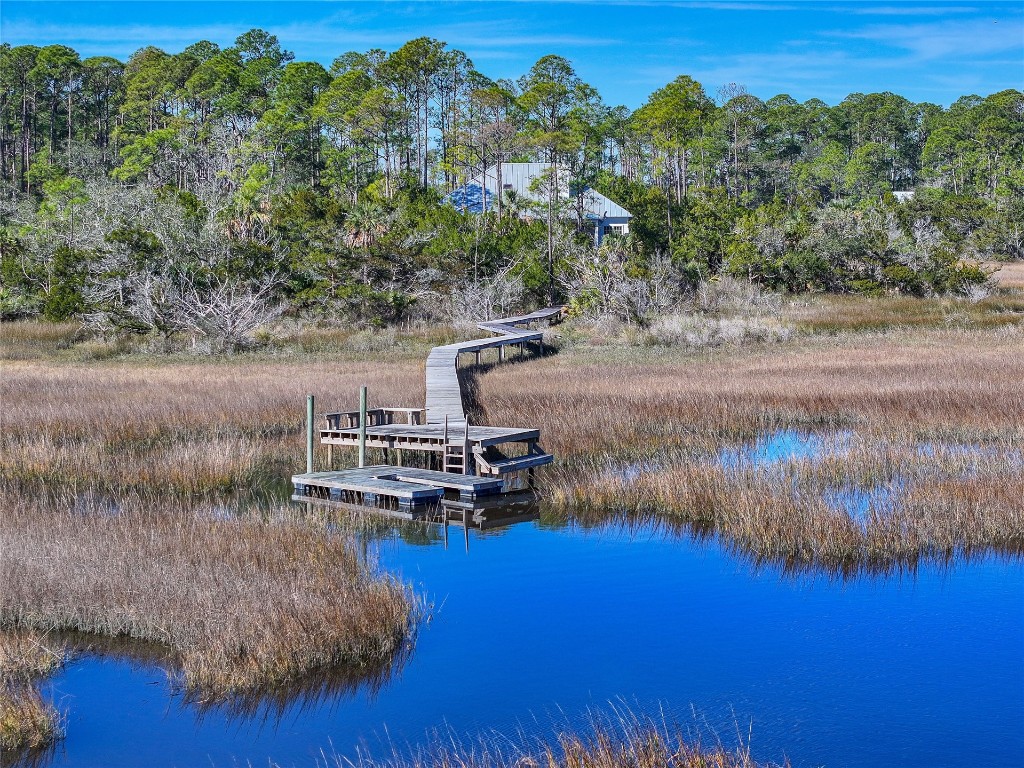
(444, 393)
(440, 429)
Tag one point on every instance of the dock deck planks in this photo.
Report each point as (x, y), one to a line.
(408, 485)
(444, 393)
(446, 431)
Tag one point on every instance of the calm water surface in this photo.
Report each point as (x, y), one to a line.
(535, 626)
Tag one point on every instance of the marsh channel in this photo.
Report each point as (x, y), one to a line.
(542, 626)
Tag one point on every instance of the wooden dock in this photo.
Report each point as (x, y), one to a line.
(406, 486)
(474, 473)
(441, 429)
(412, 493)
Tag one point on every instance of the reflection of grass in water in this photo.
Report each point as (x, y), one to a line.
(305, 692)
(267, 703)
(29, 727)
(916, 447)
(863, 507)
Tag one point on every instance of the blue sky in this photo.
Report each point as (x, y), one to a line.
(926, 50)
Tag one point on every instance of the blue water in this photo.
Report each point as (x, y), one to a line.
(536, 625)
(781, 445)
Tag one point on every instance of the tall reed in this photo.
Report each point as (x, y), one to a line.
(631, 743)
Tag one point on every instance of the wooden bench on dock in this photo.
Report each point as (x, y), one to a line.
(478, 462)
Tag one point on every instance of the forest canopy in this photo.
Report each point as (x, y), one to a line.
(211, 190)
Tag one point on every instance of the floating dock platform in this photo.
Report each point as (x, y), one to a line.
(411, 493)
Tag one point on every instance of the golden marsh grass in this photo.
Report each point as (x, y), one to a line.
(27, 722)
(173, 427)
(121, 480)
(631, 744)
(927, 428)
(240, 603)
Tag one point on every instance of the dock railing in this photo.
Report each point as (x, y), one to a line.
(376, 417)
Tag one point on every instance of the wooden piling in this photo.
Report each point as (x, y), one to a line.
(309, 432)
(362, 427)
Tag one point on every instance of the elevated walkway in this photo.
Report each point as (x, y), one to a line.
(494, 456)
(444, 394)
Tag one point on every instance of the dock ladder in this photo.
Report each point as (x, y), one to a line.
(456, 450)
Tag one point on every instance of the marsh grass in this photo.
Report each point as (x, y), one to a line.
(239, 603)
(326, 339)
(925, 429)
(28, 656)
(27, 722)
(133, 470)
(29, 339)
(623, 740)
(137, 506)
(1009, 275)
(175, 428)
(858, 314)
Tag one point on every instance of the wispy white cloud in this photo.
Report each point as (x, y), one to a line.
(908, 9)
(806, 68)
(627, 49)
(937, 40)
(332, 32)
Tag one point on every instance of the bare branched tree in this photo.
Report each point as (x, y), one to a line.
(466, 304)
(225, 311)
(598, 280)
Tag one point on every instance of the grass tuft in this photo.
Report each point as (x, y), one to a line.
(27, 722)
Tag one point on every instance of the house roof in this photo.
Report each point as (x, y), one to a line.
(519, 177)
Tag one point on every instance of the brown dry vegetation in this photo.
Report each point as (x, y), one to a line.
(122, 482)
(98, 446)
(1009, 275)
(172, 427)
(27, 722)
(26, 656)
(841, 314)
(928, 426)
(240, 603)
(637, 745)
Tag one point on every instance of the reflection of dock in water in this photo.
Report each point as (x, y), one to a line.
(469, 475)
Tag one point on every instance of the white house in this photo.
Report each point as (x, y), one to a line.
(481, 193)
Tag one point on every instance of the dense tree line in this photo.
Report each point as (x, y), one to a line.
(208, 190)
